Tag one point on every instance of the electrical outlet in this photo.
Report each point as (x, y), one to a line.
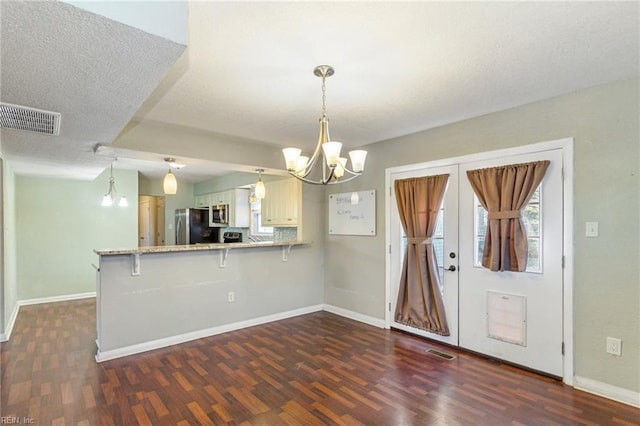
(591, 229)
(614, 346)
(231, 297)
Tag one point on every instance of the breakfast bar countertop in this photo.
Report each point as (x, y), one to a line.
(197, 247)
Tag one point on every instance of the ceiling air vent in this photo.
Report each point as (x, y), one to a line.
(30, 119)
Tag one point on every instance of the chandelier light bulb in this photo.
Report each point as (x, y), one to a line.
(357, 160)
(332, 152)
(291, 156)
(107, 200)
(301, 166)
(342, 163)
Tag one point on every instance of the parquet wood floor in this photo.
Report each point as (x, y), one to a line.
(311, 370)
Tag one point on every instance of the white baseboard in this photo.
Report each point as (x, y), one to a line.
(608, 391)
(62, 298)
(186, 337)
(4, 337)
(356, 316)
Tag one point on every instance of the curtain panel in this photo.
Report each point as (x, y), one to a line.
(420, 302)
(504, 191)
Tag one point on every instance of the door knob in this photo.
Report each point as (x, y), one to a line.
(451, 268)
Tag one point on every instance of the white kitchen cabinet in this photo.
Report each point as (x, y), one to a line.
(282, 205)
(239, 209)
(203, 200)
(238, 201)
(218, 198)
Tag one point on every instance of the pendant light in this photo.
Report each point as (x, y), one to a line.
(260, 190)
(333, 166)
(169, 183)
(111, 196)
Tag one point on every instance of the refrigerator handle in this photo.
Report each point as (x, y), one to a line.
(178, 226)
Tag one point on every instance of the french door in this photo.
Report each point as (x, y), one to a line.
(445, 242)
(514, 316)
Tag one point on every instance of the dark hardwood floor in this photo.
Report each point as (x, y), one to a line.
(310, 370)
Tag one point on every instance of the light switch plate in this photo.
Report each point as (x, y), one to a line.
(591, 229)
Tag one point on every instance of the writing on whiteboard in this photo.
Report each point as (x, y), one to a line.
(352, 213)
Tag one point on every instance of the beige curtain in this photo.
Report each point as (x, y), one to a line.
(503, 192)
(420, 302)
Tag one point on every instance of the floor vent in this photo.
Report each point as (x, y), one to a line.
(29, 119)
(441, 354)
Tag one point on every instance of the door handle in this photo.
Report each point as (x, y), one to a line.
(451, 268)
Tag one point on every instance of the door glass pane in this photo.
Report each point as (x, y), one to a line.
(532, 221)
(438, 245)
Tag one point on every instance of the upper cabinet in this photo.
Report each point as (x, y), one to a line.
(218, 198)
(239, 209)
(238, 201)
(203, 200)
(282, 205)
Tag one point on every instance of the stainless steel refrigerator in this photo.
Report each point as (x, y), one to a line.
(192, 227)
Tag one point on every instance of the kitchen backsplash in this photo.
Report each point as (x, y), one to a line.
(285, 234)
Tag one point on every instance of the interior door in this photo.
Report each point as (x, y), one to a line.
(446, 246)
(516, 316)
(144, 225)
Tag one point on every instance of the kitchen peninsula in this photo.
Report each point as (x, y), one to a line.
(152, 297)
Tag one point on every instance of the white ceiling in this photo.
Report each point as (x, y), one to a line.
(247, 72)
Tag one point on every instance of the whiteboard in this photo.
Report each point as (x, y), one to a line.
(352, 213)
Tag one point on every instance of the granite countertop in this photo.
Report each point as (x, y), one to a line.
(197, 247)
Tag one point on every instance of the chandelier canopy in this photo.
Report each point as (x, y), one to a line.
(333, 165)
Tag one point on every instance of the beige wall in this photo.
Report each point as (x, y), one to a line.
(604, 122)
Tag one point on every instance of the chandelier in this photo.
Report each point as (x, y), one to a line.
(111, 196)
(333, 165)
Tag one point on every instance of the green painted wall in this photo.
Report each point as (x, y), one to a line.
(605, 124)
(9, 286)
(58, 225)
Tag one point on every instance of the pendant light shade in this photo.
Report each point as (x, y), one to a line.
(260, 190)
(170, 184)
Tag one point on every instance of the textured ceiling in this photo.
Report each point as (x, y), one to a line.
(94, 71)
(400, 67)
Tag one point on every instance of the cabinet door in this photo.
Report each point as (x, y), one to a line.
(203, 200)
(282, 203)
(239, 208)
(220, 198)
(291, 196)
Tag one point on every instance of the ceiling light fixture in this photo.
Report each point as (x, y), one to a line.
(260, 190)
(333, 166)
(169, 183)
(110, 197)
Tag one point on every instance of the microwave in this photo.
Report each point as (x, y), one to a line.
(219, 215)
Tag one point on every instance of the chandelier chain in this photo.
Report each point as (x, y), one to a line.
(324, 97)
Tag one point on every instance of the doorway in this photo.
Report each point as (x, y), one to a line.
(151, 220)
(537, 334)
